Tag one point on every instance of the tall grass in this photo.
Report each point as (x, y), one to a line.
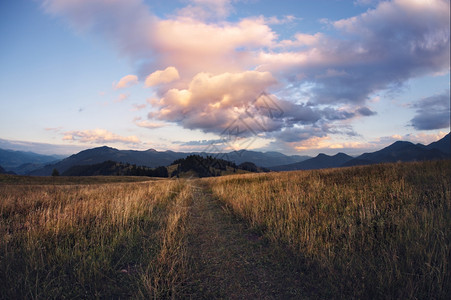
(88, 241)
(378, 231)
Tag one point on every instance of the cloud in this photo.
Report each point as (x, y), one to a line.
(432, 112)
(126, 81)
(207, 9)
(291, 135)
(149, 125)
(193, 46)
(187, 43)
(378, 49)
(365, 2)
(137, 107)
(41, 148)
(162, 76)
(98, 136)
(217, 67)
(424, 138)
(302, 39)
(365, 111)
(54, 129)
(386, 45)
(212, 102)
(273, 20)
(201, 142)
(121, 98)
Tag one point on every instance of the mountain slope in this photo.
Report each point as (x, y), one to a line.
(111, 168)
(3, 171)
(398, 151)
(261, 159)
(149, 158)
(11, 160)
(152, 158)
(322, 161)
(443, 144)
(201, 166)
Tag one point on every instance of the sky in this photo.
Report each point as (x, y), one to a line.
(295, 76)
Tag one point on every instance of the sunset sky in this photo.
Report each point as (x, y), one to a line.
(294, 76)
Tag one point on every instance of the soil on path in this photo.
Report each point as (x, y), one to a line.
(228, 260)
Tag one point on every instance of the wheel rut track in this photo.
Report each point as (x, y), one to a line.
(230, 261)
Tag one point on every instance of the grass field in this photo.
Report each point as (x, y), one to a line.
(68, 180)
(87, 241)
(380, 231)
(377, 231)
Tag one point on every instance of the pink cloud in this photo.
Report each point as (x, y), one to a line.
(162, 76)
(137, 107)
(212, 102)
(99, 136)
(180, 41)
(149, 125)
(121, 98)
(189, 45)
(126, 81)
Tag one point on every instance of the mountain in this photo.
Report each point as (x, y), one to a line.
(28, 167)
(443, 144)
(398, 151)
(262, 159)
(200, 166)
(322, 161)
(152, 158)
(111, 168)
(15, 160)
(149, 158)
(3, 171)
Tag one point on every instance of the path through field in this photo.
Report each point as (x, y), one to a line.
(230, 261)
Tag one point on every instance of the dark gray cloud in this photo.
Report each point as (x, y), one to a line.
(365, 111)
(291, 135)
(432, 112)
(298, 113)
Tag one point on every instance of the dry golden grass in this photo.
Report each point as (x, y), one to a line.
(378, 231)
(109, 240)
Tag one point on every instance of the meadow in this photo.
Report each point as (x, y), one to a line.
(111, 240)
(381, 231)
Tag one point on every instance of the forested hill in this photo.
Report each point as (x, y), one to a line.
(191, 166)
(112, 168)
(199, 166)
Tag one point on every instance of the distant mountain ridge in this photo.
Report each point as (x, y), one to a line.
(42, 165)
(17, 161)
(152, 158)
(443, 144)
(398, 151)
(321, 161)
(3, 171)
